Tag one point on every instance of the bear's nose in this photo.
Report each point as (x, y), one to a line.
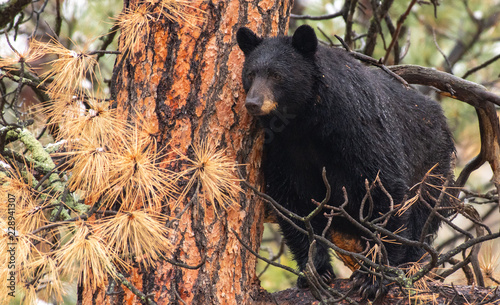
(253, 105)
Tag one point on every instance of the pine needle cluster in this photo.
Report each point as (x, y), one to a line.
(25, 58)
(46, 271)
(111, 159)
(138, 236)
(87, 256)
(17, 187)
(489, 262)
(89, 163)
(177, 10)
(16, 183)
(137, 177)
(216, 173)
(18, 221)
(96, 121)
(135, 22)
(69, 70)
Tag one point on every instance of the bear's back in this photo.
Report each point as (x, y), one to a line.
(384, 123)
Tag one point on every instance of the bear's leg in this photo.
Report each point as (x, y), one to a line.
(398, 254)
(298, 243)
(371, 287)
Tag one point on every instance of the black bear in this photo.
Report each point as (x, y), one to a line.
(322, 108)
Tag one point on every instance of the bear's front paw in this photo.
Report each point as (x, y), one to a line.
(327, 275)
(368, 286)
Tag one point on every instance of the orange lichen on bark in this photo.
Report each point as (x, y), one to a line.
(135, 278)
(181, 75)
(181, 135)
(230, 20)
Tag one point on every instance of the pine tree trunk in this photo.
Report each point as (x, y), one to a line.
(187, 80)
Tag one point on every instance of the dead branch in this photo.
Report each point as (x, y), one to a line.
(349, 20)
(437, 294)
(395, 35)
(10, 10)
(270, 262)
(450, 85)
(375, 228)
(481, 66)
(473, 94)
(322, 17)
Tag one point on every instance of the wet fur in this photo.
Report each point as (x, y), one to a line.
(354, 120)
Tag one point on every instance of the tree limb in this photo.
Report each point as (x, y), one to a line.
(9, 11)
(450, 85)
(474, 95)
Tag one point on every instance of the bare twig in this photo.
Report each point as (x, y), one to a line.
(372, 61)
(184, 265)
(481, 66)
(375, 26)
(108, 39)
(322, 17)
(395, 36)
(140, 295)
(270, 262)
(349, 22)
(441, 51)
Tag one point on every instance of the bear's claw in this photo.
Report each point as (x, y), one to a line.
(327, 275)
(368, 287)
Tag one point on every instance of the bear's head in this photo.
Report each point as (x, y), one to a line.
(279, 74)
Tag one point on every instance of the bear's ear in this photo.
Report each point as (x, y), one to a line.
(304, 40)
(247, 40)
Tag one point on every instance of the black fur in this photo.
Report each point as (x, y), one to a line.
(357, 122)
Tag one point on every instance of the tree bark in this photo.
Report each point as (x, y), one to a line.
(187, 81)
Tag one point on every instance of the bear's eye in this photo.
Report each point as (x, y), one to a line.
(275, 76)
(251, 76)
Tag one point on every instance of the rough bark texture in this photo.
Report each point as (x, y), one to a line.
(187, 80)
